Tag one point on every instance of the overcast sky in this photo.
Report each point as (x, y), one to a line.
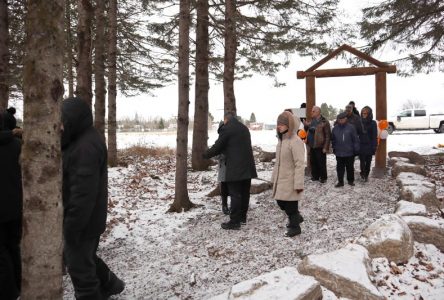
(258, 95)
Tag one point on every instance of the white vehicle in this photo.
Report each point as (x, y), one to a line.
(416, 119)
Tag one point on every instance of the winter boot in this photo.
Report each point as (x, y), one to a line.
(300, 218)
(114, 286)
(294, 228)
(230, 225)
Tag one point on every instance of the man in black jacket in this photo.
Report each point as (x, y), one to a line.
(11, 202)
(234, 143)
(85, 201)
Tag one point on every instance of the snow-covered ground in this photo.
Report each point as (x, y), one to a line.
(188, 256)
(424, 141)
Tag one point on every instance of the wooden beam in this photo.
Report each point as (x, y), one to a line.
(364, 56)
(381, 114)
(360, 71)
(310, 92)
(325, 59)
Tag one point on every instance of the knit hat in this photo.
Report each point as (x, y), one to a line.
(342, 115)
(283, 119)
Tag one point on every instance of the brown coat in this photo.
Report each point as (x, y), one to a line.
(288, 172)
(322, 135)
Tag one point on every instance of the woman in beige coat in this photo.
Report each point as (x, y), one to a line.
(288, 172)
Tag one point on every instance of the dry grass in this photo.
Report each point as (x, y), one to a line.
(141, 152)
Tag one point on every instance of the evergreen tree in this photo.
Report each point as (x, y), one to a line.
(413, 27)
(252, 118)
(161, 124)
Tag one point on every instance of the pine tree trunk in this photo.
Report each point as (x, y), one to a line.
(84, 68)
(4, 55)
(112, 92)
(41, 153)
(200, 129)
(230, 55)
(181, 199)
(69, 48)
(99, 68)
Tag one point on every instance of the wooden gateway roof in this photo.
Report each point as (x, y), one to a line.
(379, 66)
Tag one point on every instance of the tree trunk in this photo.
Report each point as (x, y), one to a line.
(41, 153)
(112, 92)
(84, 69)
(230, 55)
(200, 129)
(99, 68)
(69, 48)
(4, 55)
(181, 199)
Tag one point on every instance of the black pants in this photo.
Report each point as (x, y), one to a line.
(318, 164)
(89, 274)
(224, 193)
(365, 163)
(10, 265)
(345, 163)
(290, 207)
(239, 192)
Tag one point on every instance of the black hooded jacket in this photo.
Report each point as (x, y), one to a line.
(85, 173)
(11, 199)
(235, 143)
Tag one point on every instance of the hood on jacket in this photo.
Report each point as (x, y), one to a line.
(370, 113)
(76, 118)
(291, 121)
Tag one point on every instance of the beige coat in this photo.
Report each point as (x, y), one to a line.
(288, 172)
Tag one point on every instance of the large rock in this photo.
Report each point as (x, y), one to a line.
(417, 188)
(413, 157)
(389, 237)
(407, 208)
(426, 230)
(394, 160)
(344, 271)
(285, 283)
(401, 166)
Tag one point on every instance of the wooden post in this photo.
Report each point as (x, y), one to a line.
(310, 91)
(381, 114)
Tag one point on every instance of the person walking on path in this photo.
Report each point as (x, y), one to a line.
(234, 143)
(221, 174)
(318, 140)
(10, 213)
(85, 203)
(368, 141)
(345, 143)
(288, 171)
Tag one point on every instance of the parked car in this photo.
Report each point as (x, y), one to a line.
(416, 119)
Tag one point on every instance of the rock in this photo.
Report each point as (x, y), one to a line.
(401, 166)
(417, 188)
(413, 157)
(344, 271)
(285, 283)
(265, 156)
(426, 230)
(407, 208)
(389, 237)
(394, 160)
(261, 187)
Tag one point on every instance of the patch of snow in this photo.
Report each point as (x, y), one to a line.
(407, 208)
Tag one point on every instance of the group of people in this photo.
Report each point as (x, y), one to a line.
(85, 204)
(353, 135)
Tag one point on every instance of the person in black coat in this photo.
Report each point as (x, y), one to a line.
(368, 141)
(85, 202)
(11, 203)
(234, 143)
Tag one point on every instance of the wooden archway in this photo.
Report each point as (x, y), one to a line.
(380, 71)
